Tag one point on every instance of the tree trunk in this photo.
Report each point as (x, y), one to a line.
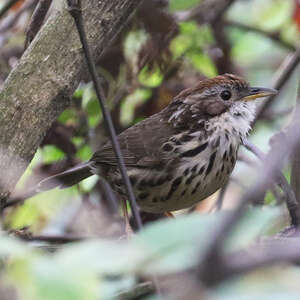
(39, 87)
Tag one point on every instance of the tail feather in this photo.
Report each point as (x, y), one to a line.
(66, 178)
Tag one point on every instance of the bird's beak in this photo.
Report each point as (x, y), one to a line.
(258, 92)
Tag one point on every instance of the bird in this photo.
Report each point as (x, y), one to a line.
(182, 154)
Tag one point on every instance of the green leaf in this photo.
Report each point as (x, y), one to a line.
(182, 5)
(52, 154)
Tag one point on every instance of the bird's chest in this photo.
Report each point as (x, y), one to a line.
(207, 169)
(201, 167)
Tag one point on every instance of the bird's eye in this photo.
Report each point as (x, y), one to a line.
(225, 95)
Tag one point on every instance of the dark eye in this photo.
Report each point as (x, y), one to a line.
(225, 95)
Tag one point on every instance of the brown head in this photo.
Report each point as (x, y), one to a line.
(212, 97)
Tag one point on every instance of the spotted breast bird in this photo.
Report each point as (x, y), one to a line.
(182, 154)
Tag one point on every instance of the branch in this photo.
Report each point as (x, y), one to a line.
(208, 11)
(291, 201)
(37, 20)
(75, 11)
(266, 253)
(274, 36)
(295, 162)
(284, 73)
(38, 89)
(7, 6)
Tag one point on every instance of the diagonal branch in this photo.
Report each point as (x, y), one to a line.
(75, 11)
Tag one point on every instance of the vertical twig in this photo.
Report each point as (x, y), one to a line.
(291, 201)
(285, 71)
(295, 161)
(37, 20)
(75, 11)
(6, 7)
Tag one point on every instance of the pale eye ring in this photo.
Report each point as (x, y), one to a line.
(225, 95)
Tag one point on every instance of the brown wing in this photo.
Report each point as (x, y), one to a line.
(140, 144)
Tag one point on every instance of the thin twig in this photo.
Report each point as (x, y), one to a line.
(285, 71)
(75, 11)
(37, 20)
(295, 162)
(274, 36)
(7, 6)
(291, 200)
(263, 254)
(208, 11)
(11, 21)
(53, 239)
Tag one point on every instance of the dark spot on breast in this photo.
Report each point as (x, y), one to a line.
(230, 150)
(225, 155)
(177, 181)
(211, 163)
(201, 170)
(183, 192)
(154, 200)
(217, 142)
(174, 186)
(196, 188)
(190, 179)
(232, 159)
(167, 147)
(186, 171)
(194, 169)
(175, 141)
(194, 151)
(237, 114)
(201, 124)
(133, 180)
(160, 180)
(186, 138)
(142, 184)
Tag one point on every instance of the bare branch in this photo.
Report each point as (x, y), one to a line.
(75, 11)
(291, 200)
(274, 36)
(284, 73)
(6, 7)
(37, 20)
(208, 11)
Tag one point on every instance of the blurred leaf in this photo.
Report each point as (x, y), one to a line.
(151, 78)
(84, 153)
(128, 106)
(68, 116)
(182, 5)
(132, 46)
(203, 63)
(191, 38)
(52, 154)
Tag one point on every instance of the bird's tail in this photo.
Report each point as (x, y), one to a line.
(66, 178)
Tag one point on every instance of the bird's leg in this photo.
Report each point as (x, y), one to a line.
(128, 229)
(169, 215)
